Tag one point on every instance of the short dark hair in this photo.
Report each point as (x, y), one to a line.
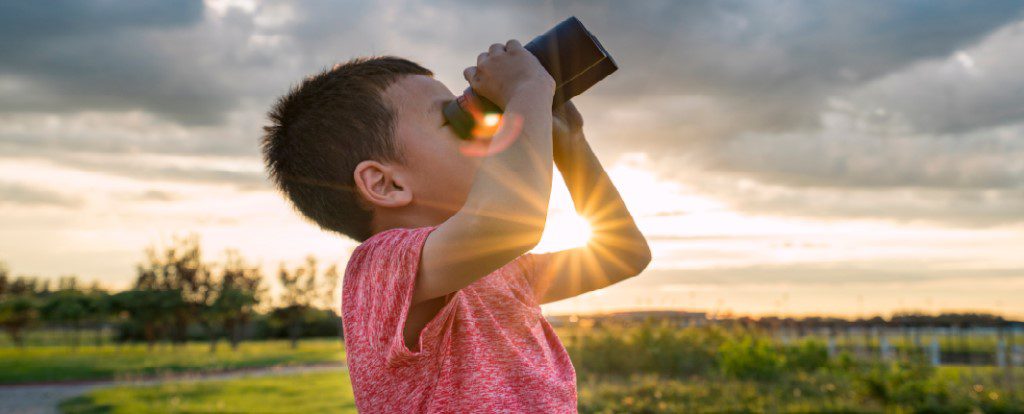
(323, 127)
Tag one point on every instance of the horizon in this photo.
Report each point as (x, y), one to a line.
(787, 158)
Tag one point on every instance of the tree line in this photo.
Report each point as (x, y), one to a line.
(178, 296)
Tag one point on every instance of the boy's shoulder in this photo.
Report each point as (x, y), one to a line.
(390, 243)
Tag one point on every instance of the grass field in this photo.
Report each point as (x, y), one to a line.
(62, 363)
(49, 337)
(320, 392)
(332, 392)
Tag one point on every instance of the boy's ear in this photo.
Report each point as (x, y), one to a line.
(381, 184)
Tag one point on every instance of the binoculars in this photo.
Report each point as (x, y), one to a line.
(569, 52)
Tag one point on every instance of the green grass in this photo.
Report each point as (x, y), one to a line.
(46, 337)
(650, 393)
(319, 392)
(843, 385)
(62, 363)
(817, 392)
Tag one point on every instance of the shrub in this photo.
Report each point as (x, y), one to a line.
(751, 357)
(809, 355)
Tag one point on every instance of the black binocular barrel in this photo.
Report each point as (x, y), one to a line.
(572, 55)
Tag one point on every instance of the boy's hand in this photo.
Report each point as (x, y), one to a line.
(504, 69)
(567, 125)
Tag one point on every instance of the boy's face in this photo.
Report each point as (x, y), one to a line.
(438, 173)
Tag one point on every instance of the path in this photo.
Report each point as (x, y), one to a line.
(43, 398)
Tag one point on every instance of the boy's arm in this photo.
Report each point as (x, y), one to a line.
(504, 213)
(616, 249)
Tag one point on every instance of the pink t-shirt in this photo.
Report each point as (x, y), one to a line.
(488, 349)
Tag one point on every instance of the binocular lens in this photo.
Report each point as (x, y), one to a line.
(488, 125)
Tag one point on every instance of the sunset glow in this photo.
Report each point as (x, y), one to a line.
(874, 169)
(564, 230)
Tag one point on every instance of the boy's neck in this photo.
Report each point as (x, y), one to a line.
(405, 219)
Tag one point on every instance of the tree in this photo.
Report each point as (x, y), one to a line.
(297, 295)
(238, 293)
(99, 309)
(18, 307)
(67, 307)
(332, 297)
(149, 309)
(178, 269)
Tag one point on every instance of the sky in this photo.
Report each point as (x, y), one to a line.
(785, 157)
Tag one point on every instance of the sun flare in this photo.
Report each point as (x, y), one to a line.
(562, 231)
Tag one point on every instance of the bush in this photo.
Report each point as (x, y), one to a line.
(809, 355)
(648, 347)
(751, 357)
(650, 393)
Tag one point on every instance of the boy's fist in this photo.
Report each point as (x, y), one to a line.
(503, 70)
(568, 123)
(566, 130)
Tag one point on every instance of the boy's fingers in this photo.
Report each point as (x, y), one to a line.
(513, 44)
(480, 58)
(469, 73)
(496, 48)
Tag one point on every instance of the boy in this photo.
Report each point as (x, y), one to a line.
(440, 302)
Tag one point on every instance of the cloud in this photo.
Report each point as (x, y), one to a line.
(153, 195)
(72, 56)
(240, 173)
(843, 155)
(834, 275)
(956, 207)
(784, 95)
(192, 63)
(29, 196)
(773, 64)
(972, 88)
(126, 133)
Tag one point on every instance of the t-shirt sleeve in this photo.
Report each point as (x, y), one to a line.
(384, 270)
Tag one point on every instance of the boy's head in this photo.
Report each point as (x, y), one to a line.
(362, 147)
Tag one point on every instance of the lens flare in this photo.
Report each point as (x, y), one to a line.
(486, 126)
(490, 139)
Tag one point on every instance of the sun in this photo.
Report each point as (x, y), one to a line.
(563, 230)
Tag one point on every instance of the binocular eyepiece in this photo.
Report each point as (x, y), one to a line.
(569, 52)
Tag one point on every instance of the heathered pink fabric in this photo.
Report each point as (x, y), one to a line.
(488, 350)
